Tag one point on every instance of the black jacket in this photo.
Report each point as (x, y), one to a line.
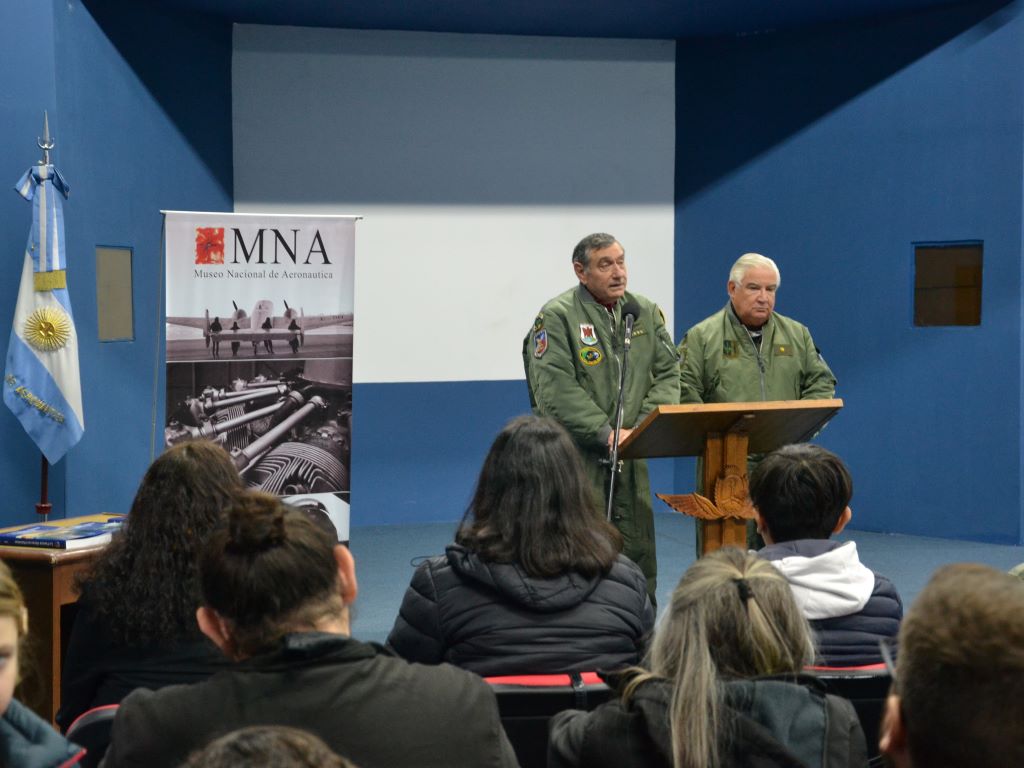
(768, 723)
(366, 705)
(98, 670)
(493, 619)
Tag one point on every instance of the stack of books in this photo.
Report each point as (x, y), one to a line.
(70, 533)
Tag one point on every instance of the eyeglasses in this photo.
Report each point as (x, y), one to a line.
(885, 647)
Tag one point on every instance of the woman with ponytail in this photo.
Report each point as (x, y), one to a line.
(276, 595)
(721, 685)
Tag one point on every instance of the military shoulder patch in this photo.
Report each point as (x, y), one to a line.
(538, 324)
(540, 343)
(590, 355)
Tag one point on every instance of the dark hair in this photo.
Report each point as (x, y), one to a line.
(145, 584)
(801, 491)
(534, 505)
(595, 242)
(267, 746)
(269, 571)
(960, 675)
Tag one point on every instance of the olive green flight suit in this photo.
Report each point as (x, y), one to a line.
(572, 357)
(719, 363)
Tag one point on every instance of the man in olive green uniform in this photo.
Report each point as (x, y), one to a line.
(746, 352)
(572, 357)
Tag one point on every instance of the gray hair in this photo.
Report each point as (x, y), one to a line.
(733, 616)
(749, 261)
(589, 244)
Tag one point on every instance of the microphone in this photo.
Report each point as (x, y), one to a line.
(630, 312)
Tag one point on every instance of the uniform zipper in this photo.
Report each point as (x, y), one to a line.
(760, 361)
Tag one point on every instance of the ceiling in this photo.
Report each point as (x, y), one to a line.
(664, 19)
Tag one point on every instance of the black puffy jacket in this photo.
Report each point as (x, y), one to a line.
(494, 619)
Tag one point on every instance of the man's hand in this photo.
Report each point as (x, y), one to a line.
(623, 434)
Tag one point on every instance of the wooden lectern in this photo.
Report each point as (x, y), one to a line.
(723, 434)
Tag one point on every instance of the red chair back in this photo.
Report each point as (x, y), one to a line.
(91, 730)
(527, 702)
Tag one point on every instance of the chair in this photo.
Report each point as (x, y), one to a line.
(866, 688)
(91, 730)
(527, 702)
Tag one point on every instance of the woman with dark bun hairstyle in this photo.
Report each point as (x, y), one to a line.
(276, 590)
(535, 582)
(136, 624)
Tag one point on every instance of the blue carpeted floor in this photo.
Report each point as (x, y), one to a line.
(385, 556)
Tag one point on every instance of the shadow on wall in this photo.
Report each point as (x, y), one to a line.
(157, 44)
(802, 77)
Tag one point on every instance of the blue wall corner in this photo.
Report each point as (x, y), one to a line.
(143, 122)
(832, 151)
(28, 76)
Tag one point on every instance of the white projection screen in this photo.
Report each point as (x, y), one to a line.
(477, 162)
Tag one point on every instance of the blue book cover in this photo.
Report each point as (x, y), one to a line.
(72, 533)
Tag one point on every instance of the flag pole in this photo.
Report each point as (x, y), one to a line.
(44, 507)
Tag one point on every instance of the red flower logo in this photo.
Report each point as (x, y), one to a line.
(209, 245)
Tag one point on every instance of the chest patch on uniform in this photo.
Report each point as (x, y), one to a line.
(588, 333)
(590, 355)
(730, 348)
(786, 350)
(540, 343)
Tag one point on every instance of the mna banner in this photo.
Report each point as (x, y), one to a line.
(259, 349)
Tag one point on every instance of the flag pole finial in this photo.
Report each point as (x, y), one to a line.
(46, 143)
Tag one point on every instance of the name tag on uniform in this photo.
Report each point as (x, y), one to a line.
(785, 350)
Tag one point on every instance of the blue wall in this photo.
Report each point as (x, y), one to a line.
(27, 85)
(141, 113)
(833, 151)
(418, 448)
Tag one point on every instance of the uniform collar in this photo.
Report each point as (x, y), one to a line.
(734, 319)
(588, 298)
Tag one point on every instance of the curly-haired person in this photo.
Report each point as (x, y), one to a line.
(136, 624)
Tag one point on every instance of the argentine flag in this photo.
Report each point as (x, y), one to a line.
(41, 383)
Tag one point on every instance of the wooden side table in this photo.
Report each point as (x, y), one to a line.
(46, 578)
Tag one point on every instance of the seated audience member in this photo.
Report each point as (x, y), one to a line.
(25, 738)
(276, 593)
(136, 622)
(535, 582)
(267, 746)
(705, 699)
(801, 494)
(958, 693)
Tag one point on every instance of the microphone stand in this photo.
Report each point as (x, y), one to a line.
(627, 340)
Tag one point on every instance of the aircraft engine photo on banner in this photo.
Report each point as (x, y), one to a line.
(259, 349)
